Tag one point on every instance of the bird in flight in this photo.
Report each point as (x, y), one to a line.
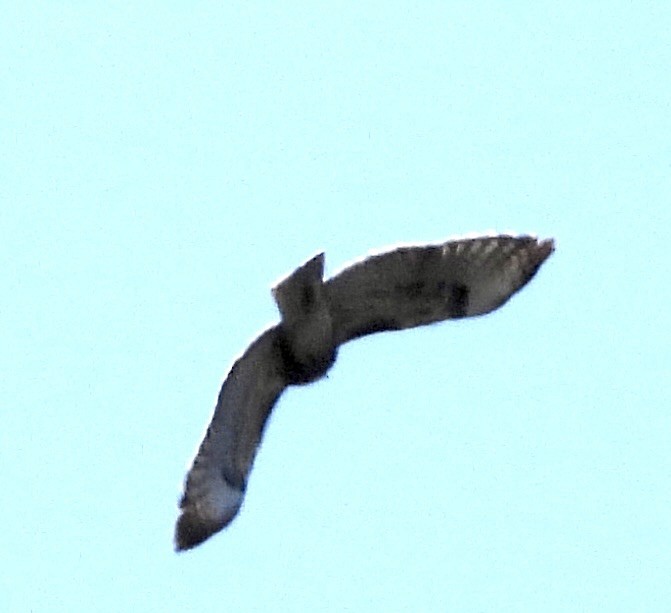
(402, 288)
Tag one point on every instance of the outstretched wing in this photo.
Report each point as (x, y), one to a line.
(415, 286)
(216, 482)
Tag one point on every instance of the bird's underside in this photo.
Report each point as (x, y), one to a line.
(403, 288)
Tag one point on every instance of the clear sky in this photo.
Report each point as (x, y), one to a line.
(162, 165)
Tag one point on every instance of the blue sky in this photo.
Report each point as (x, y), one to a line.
(162, 165)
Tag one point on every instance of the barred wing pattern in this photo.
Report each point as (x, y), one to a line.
(415, 286)
(403, 288)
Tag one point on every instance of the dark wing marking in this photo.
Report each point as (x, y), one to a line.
(415, 286)
(215, 485)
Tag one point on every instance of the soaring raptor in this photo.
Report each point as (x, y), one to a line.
(403, 288)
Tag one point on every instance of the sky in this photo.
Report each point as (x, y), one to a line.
(162, 165)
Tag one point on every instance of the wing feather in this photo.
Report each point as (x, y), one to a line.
(416, 286)
(216, 483)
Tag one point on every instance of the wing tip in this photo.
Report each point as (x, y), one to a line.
(192, 530)
(544, 249)
(546, 246)
(535, 255)
(206, 515)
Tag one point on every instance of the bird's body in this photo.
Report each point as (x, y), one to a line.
(404, 288)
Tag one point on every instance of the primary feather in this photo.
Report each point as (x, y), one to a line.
(403, 288)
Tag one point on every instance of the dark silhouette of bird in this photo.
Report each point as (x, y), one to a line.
(402, 288)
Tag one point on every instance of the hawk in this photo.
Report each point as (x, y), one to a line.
(403, 288)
